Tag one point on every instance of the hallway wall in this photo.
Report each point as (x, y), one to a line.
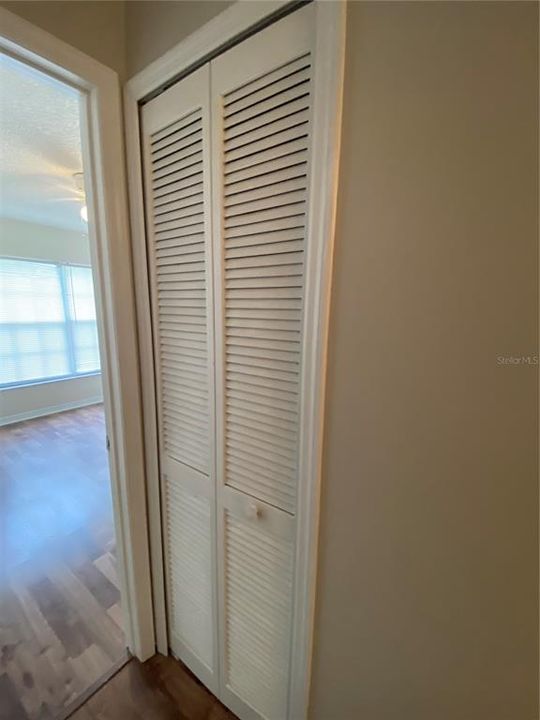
(97, 28)
(428, 578)
(125, 36)
(155, 26)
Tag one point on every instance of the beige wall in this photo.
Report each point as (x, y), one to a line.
(427, 592)
(33, 241)
(126, 36)
(96, 28)
(156, 26)
(32, 401)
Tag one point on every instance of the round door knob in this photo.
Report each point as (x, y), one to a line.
(254, 511)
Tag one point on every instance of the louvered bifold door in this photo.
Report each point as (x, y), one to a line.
(261, 119)
(177, 196)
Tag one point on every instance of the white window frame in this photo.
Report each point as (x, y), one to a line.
(105, 184)
(229, 26)
(67, 322)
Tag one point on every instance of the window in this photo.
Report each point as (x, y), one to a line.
(47, 321)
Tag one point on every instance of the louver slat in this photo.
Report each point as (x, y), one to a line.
(249, 138)
(189, 589)
(258, 574)
(180, 249)
(269, 80)
(176, 190)
(264, 209)
(263, 170)
(178, 154)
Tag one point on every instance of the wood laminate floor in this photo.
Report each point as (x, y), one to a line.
(160, 689)
(60, 617)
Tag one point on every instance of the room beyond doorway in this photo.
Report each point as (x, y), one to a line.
(61, 624)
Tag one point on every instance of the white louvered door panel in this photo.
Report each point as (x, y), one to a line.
(261, 120)
(259, 552)
(177, 189)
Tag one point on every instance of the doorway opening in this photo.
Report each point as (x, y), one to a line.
(61, 624)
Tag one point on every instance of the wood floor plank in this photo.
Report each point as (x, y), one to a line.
(141, 696)
(91, 664)
(10, 705)
(60, 615)
(98, 584)
(22, 671)
(106, 564)
(99, 628)
(115, 612)
(52, 674)
(43, 633)
(25, 662)
(160, 689)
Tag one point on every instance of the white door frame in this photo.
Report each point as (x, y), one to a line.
(103, 158)
(229, 26)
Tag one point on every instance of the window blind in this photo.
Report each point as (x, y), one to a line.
(47, 321)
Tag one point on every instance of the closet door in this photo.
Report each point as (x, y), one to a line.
(261, 117)
(177, 195)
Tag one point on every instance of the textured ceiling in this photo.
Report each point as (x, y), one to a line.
(40, 147)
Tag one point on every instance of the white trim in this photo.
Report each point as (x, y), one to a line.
(146, 364)
(103, 156)
(51, 410)
(330, 28)
(328, 90)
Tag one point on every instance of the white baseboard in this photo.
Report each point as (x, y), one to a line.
(51, 410)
